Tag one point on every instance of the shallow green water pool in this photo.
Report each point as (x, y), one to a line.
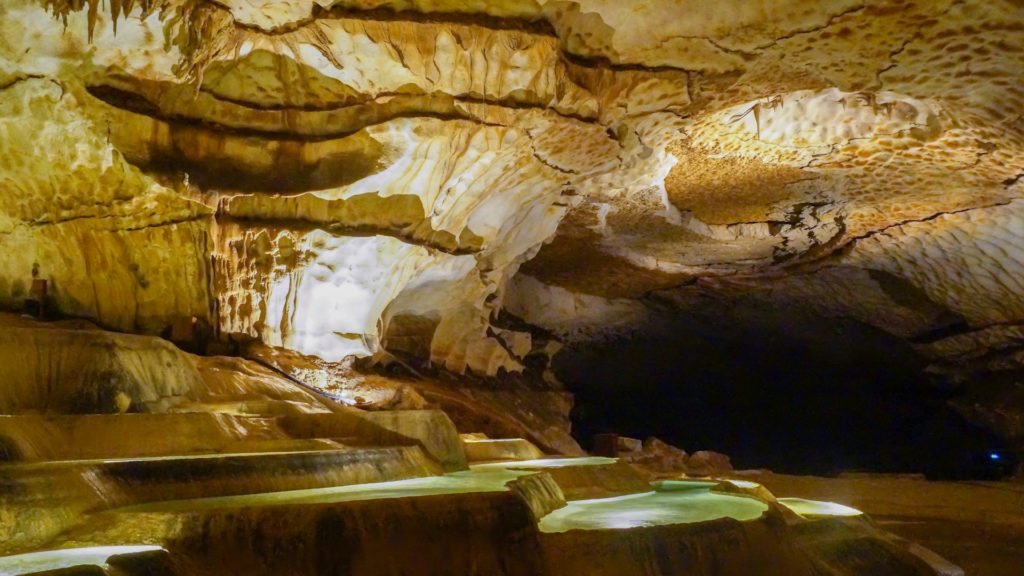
(490, 477)
(67, 558)
(673, 506)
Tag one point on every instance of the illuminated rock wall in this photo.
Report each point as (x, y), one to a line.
(362, 177)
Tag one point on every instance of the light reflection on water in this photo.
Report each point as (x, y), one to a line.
(67, 558)
(812, 508)
(490, 477)
(671, 502)
(673, 506)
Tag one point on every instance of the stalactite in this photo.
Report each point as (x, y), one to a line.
(117, 8)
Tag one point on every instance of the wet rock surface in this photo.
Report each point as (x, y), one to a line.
(227, 479)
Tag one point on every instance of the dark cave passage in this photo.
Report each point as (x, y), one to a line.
(789, 392)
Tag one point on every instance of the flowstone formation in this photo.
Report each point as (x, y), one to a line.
(125, 455)
(411, 204)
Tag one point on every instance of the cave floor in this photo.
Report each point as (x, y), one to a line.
(976, 525)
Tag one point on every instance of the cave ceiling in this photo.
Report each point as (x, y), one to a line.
(352, 177)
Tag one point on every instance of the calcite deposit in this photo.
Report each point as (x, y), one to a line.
(358, 212)
(353, 178)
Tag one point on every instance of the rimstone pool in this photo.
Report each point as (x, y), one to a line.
(490, 477)
(35, 562)
(671, 503)
(697, 504)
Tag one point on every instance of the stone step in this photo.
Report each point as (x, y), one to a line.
(584, 478)
(38, 437)
(45, 498)
(430, 429)
(490, 449)
(63, 437)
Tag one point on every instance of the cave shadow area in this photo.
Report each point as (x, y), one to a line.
(788, 391)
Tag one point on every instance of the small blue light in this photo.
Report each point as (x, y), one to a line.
(994, 456)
